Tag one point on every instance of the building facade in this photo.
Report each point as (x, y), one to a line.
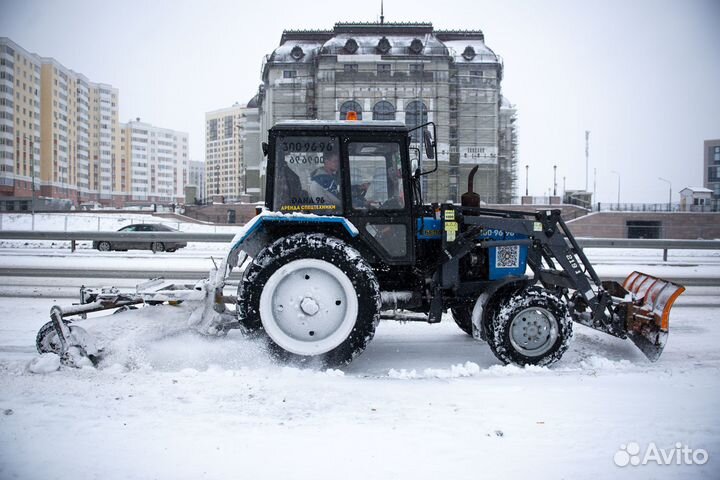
(711, 169)
(407, 72)
(196, 178)
(62, 130)
(158, 163)
(79, 136)
(232, 153)
(19, 121)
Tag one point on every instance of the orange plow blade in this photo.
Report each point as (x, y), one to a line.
(648, 311)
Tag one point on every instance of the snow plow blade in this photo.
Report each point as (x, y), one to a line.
(647, 313)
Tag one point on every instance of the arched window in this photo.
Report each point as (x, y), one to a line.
(350, 106)
(383, 110)
(416, 115)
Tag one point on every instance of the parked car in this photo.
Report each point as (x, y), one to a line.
(127, 244)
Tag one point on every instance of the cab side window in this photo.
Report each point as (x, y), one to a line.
(376, 176)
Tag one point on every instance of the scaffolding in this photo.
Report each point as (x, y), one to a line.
(407, 66)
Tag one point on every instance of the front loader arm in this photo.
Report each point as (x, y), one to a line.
(639, 309)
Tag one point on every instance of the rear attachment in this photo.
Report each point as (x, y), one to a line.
(65, 338)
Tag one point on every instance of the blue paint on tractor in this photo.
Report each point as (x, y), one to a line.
(258, 221)
(503, 261)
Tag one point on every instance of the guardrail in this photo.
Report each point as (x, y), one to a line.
(73, 237)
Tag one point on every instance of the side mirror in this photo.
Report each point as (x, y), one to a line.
(265, 148)
(429, 144)
(414, 165)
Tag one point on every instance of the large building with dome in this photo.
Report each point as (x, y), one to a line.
(408, 72)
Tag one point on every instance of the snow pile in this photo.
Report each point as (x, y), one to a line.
(601, 363)
(159, 338)
(468, 369)
(45, 363)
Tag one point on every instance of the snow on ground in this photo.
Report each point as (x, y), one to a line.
(423, 401)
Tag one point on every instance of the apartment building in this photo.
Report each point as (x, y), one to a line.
(19, 123)
(157, 162)
(711, 169)
(79, 139)
(196, 178)
(63, 130)
(232, 153)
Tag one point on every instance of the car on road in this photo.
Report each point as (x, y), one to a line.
(128, 244)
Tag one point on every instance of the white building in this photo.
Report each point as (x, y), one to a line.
(196, 178)
(158, 162)
(232, 153)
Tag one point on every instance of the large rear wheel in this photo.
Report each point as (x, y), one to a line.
(312, 298)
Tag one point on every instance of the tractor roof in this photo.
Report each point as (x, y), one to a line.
(341, 125)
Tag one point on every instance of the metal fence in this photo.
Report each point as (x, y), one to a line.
(662, 244)
(655, 207)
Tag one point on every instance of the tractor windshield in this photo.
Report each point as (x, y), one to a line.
(307, 175)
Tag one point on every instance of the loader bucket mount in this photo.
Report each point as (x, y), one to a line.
(647, 313)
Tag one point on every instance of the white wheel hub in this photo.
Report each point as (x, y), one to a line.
(308, 307)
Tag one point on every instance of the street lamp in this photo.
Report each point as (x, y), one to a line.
(618, 175)
(217, 179)
(554, 180)
(527, 173)
(670, 194)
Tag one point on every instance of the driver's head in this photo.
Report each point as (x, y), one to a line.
(331, 162)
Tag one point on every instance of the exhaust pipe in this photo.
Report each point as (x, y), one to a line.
(470, 198)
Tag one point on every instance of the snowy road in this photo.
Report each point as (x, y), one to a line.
(423, 401)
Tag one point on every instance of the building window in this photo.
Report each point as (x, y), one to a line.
(716, 154)
(350, 106)
(713, 174)
(289, 73)
(416, 115)
(417, 67)
(384, 69)
(383, 110)
(351, 67)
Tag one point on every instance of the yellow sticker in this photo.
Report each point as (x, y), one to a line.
(450, 235)
(451, 226)
(449, 214)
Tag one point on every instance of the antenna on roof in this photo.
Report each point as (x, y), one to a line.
(382, 17)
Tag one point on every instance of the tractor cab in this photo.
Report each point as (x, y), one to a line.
(358, 170)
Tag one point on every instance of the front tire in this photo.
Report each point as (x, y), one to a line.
(312, 298)
(530, 327)
(157, 247)
(463, 318)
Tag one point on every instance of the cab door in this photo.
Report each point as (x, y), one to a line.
(378, 198)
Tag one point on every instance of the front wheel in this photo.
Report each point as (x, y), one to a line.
(463, 318)
(312, 298)
(530, 327)
(157, 247)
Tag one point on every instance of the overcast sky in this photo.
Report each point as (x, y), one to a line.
(643, 76)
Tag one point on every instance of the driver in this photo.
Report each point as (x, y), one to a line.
(328, 176)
